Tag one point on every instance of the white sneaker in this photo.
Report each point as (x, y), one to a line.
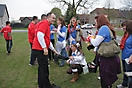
(120, 86)
(30, 65)
(99, 78)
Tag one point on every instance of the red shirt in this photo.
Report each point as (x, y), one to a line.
(31, 32)
(44, 27)
(7, 32)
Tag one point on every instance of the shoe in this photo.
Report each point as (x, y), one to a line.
(120, 86)
(75, 77)
(30, 65)
(61, 65)
(99, 78)
(55, 86)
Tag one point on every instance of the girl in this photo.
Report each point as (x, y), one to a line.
(109, 66)
(61, 41)
(76, 60)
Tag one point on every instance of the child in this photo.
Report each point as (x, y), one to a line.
(7, 35)
(76, 60)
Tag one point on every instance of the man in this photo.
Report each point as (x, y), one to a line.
(31, 35)
(40, 47)
(43, 17)
(7, 35)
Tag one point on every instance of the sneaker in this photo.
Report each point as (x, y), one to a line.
(99, 78)
(120, 86)
(55, 86)
(61, 65)
(30, 65)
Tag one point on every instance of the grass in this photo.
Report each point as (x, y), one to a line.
(16, 73)
(119, 32)
(20, 28)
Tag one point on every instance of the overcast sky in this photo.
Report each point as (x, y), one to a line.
(19, 8)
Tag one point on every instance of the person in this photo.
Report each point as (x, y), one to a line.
(31, 35)
(109, 66)
(43, 17)
(71, 34)
(79, 34)
(76, 60)
(52, 41)
(126, 47)
(8, 37)
(40, 47)
(61, 39)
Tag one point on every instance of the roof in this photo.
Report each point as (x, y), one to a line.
(111, 12)
(82, 16)
(22, 18)
(2, 10)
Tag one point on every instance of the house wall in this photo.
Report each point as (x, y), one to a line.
(92, 18)
(3, 19)
(26, 21)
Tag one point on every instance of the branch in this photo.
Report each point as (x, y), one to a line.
(78, 3)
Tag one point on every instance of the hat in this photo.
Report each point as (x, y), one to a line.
(73, 42)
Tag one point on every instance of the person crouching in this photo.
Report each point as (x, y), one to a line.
(76, 61)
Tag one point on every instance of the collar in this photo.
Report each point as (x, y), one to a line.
(75, 52)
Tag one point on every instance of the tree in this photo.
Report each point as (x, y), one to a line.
(75, 5)
(127, 4)
(57, 12)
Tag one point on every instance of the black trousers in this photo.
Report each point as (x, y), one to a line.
(50, 52)
(43, 70)
(104, 85)
(32, 56)
(9, 45)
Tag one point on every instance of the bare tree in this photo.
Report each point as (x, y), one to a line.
(75, 4)
(109, 4)
(127, 4)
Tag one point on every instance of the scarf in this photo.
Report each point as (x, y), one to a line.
(74, 27)
(123, 40)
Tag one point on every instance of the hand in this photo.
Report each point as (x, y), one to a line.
(68, 61)
(55, 52)
(130, 59)
(45, 51)
(71, 57)
(55, 30)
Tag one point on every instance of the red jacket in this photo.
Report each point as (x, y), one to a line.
(31, 32)
(7, 32)
(44, 27)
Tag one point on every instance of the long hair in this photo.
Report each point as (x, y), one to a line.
(103, 20)
(129, 27)
(61, 19)
(78, 50)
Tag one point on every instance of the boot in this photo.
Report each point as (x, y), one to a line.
(75, 77)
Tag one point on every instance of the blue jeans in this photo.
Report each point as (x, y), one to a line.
(127, 81)
(9, 45)
(63, 53)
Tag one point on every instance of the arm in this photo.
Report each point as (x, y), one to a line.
(63, 34)
(95, 42)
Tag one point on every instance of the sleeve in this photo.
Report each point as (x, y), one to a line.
(77, 58)
(51, 47)
(95, 42)
(63, 34)
(2, 30)
(103, 31)
(41, 39)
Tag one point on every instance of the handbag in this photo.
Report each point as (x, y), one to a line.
(109, 49)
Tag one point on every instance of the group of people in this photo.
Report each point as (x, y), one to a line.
(41, 39)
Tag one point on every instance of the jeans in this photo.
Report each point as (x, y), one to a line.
(127, 81)
(9, 45)
(63, 53)
(32, 56)
(43, 70)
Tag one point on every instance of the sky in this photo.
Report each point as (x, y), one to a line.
(22, 8)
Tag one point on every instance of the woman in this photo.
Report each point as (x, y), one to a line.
(61, 38)
(126, 46)
(76, 60)
(109, 67)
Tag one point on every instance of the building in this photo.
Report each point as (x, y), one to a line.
(4, 15)
(115, 16)
(25, 20)
(84, 18)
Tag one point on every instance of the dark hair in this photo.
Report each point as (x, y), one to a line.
(62, 21)
(123, 23)
(43, 15)
(103, 20)
(34, 18)
(78, 50)
(48, 14)
(129, 27)
(7, 22)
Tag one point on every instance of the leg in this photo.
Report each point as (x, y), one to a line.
(7, 45)
(104, 85)
(129, 69)
(10, 46)
(49, 53)
(43, 70)
(63, 52)
(53, 42)
(32, 56)
(130, 82)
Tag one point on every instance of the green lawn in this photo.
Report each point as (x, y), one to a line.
(119, 32)
(16, 73)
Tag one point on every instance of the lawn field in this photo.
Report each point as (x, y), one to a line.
(16, 73)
